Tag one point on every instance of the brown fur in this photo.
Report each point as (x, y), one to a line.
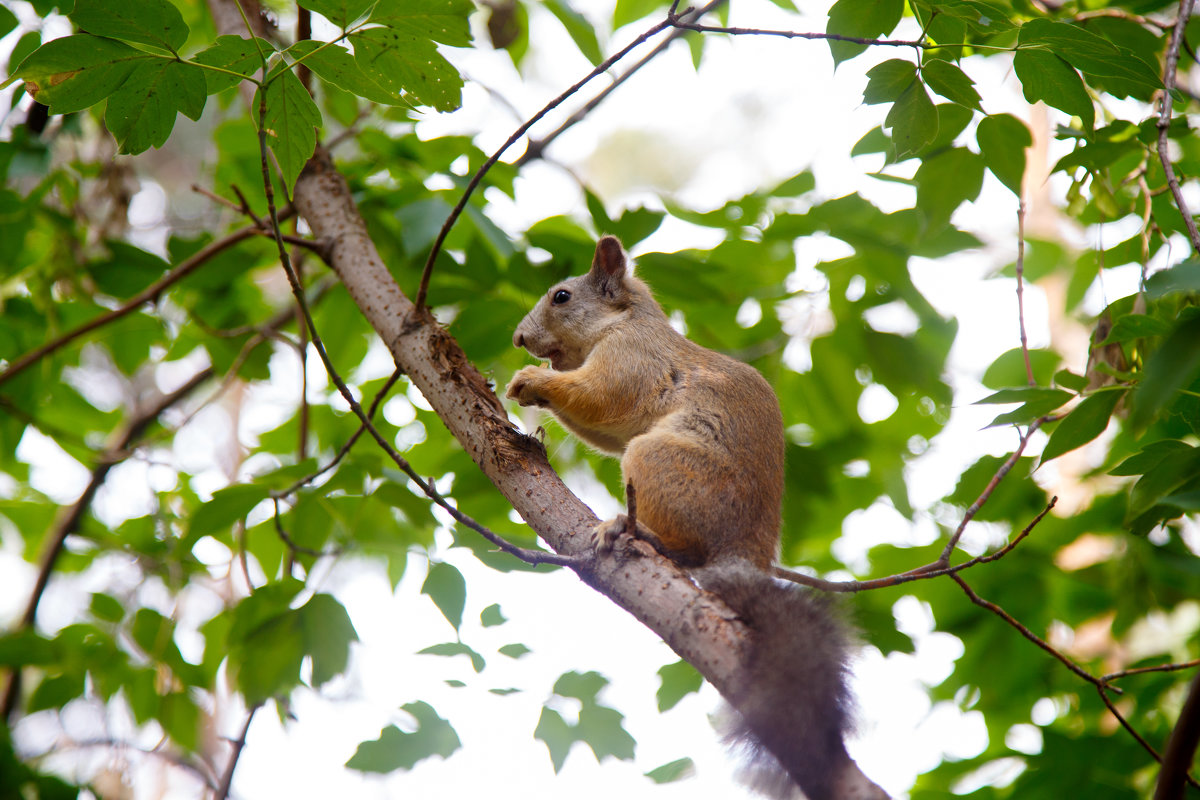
(680, 416)
(700, 438)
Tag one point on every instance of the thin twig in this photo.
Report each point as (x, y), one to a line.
(1116, 712)
(1164, 120)
(933, 570)
(691, 26)
(1112, 676)
(536, 147)
(1021, 290)
(239, 744)
(147, 295)
(974, 508)
(345, 448)
(1028, 634)
(423, 288)
(68, 521)
(292, 544)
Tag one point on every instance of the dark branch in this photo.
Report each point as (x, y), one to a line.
(1181, 748)
(933, 570)
(536, 148)
(691, 26)
(1164, 120)
(239, 744)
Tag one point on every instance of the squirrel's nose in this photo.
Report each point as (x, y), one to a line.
(518, 339)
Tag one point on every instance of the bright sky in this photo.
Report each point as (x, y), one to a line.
(759, 110)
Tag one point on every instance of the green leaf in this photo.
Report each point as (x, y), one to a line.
(1124, 73)
(76, 72)
(1046, 77)
(444, 21)
(582, 32)
(515, 650)
(335, 65)
(157, 23)
(888, 80)
(601, 729)
(1002, 141)
(267, 642)
(446, 587)
(328, 633)
(339, 12)
(181, 719)
(557, 735)
(1183, 278)
(8, 21)
(106, 607)
(1136, 326)
(25, 648)
(913, 120)
(951, 82)
(1084, 422)
(1027, 394)
(672, 771)
(945, 181)
(677, 681)
(1174, 366)
(226, 507)
(142, 112)
(1173, 470)
(863, 19)
(403, 62)
(449, 649)
(490, 617)
(1149, 457)
(290, 123)
(1036, 402)
(580, 685)
(235, 54)
(395, 749)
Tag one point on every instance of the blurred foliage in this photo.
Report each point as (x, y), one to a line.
(68, 255)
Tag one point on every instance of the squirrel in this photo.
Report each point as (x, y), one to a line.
(700, 437)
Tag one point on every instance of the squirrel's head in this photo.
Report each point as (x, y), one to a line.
(574, 314)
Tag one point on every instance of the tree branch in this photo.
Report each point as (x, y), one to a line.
(1181, 748)
(536, 147)
(239, 744)
(147, 295)
(1164, 120)
(69, 519)
(1021, 291)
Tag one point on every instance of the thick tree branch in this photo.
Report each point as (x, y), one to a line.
(1181, 748)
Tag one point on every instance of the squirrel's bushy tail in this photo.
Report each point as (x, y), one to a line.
(794, 707)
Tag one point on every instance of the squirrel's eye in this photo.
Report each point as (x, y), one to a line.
(561, 296)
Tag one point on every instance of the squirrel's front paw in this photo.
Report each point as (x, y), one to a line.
(605, 535)
(522, 387)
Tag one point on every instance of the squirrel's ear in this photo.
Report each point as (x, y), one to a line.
(608, 265)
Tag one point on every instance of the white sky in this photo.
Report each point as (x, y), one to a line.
(759, 110)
